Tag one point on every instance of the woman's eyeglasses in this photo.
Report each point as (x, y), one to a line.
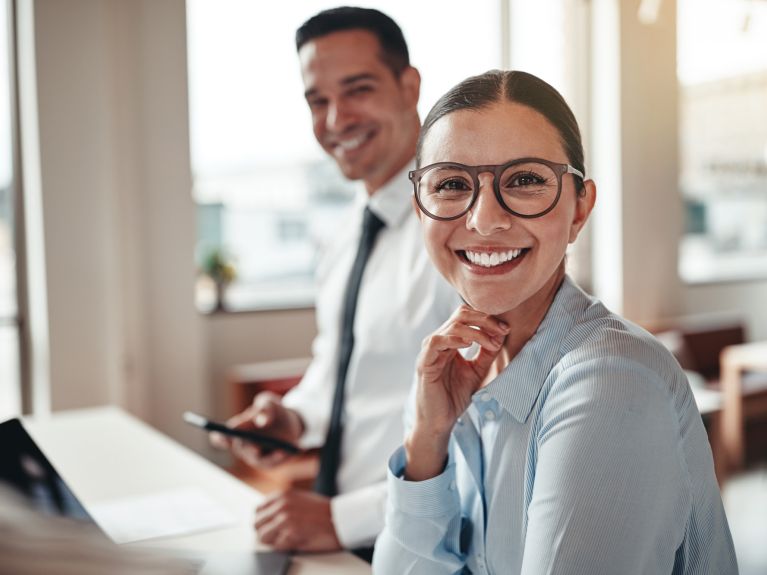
(526, 188)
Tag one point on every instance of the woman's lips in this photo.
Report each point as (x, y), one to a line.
(494, 262)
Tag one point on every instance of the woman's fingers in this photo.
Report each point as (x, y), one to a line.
(471, 317)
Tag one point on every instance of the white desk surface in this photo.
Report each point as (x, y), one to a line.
(104, 454)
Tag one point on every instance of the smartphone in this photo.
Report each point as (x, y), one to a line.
(267, 442)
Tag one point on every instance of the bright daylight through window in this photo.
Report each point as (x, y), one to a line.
(267, 196)
(722, 69)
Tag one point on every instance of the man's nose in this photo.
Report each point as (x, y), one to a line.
(487, 216)
(339, 116)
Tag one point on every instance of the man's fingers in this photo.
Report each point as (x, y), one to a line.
(219, 440)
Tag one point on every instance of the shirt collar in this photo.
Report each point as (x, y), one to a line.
(517, 387)
(392, 202)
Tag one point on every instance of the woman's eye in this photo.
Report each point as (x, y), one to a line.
(526, 180)
(453, 185)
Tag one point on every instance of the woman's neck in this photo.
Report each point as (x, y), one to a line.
(524, 321)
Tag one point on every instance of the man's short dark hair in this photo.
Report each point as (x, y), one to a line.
(394, 52)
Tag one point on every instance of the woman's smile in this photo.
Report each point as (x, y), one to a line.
(491, 260)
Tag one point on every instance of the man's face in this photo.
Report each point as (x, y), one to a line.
(362, 114)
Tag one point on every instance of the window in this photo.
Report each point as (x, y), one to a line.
(722, 70)
(266, 193)
(10, 385)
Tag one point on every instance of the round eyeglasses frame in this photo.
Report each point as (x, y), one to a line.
(496, 169)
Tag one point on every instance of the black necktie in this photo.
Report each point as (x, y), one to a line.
(331, 452)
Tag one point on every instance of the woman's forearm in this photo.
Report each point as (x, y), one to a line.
(426, 453)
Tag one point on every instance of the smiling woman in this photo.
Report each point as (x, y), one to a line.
(570, 442)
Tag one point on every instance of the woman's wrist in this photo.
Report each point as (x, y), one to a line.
(426, 453)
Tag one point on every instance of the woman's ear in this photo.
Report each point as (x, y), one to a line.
(584, 203)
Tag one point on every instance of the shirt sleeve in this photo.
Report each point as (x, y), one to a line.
(313, 395)
(609, 484)
(423, 524)
(358, 516)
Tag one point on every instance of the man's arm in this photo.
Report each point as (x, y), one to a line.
(306, 521)
(266, 415)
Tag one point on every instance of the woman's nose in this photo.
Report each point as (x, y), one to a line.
(487, 216)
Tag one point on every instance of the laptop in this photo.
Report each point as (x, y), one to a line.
(26, 470)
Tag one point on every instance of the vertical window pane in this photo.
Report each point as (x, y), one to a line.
(266, 193)
(9, 348)
(722, 70)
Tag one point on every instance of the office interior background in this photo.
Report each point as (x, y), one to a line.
(137, 137)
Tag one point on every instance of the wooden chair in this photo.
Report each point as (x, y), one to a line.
(717, 350)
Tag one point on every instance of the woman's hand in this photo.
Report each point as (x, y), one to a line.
(446, 382)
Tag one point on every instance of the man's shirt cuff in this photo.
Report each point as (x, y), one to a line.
(358, 516)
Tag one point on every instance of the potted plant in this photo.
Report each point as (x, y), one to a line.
(220, 268)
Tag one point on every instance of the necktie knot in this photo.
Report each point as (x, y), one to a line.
(371, 225)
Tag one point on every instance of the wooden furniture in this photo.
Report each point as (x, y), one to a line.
(743, 384)
(105, 454)
(278, 376)
(731, 395)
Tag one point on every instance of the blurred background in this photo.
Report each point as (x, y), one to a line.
(163, 201)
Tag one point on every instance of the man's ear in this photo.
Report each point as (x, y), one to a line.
(584, 203)
(410, 83)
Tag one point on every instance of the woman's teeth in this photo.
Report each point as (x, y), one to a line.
(492, 259)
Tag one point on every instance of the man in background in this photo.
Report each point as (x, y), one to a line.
(379, 295)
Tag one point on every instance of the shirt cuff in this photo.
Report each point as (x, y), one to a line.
(358, 516)
(433, 497)
(315, 425)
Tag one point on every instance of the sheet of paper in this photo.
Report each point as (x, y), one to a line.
(160, 514)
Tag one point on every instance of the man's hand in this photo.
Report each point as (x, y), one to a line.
(266, 415)
(298, 521)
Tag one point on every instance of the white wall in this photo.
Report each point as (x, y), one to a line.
(119, 218)
(248, 337)
(748, 300)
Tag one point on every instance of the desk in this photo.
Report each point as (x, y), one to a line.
(105, 454)
(740, 403)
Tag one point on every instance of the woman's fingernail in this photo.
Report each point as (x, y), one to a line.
(503, 324)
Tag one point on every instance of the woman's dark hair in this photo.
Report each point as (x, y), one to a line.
(478, 92)
(394, 52)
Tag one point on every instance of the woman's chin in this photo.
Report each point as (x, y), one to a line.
(486, 304)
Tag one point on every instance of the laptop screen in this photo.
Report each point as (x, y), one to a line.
(26, 470)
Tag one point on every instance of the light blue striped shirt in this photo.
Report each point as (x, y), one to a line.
(586, 455)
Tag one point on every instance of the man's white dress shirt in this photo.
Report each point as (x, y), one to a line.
(402, 299)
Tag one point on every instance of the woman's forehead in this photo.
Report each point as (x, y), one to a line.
(494, 134)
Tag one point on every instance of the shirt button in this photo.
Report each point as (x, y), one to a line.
(460, 421)
(489, 415)
(452, 485)
(484, 396)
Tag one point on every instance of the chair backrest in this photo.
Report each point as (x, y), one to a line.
(704, 344)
